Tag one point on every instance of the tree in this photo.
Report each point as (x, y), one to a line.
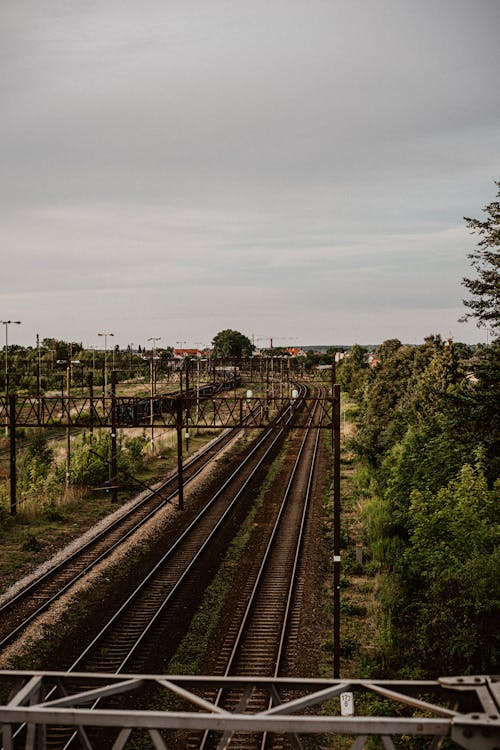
(353, 371)
(452, 559)
(229, 343)
(485, 289)
(387, 348)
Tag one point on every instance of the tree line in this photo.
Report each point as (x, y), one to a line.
(427, 440)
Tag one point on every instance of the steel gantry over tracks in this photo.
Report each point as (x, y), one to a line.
(464, 709)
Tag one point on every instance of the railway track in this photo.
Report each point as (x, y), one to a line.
(156, 606)
(23, 608)
(123, 642)
(257, 640)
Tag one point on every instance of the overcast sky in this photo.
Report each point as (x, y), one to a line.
(293, 169)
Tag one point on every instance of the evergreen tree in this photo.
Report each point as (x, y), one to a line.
(485, 288)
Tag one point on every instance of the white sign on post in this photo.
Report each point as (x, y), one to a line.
(347, 704)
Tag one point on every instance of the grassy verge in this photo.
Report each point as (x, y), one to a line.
(27, 541)
(358, 609)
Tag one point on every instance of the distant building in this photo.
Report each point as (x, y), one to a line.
(295, 351)
(182, 353)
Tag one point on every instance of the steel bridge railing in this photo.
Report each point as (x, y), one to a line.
(465, 709)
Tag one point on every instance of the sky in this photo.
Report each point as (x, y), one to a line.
(296, 170)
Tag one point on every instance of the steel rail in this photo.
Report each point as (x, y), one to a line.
(111, 529)
(272, 432)
(251, 606)
(298, 552)
(176, 545)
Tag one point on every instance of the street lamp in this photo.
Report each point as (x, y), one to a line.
(154, 339)
(7, 323)
(181, 344)
(152, 370)
(105, 359)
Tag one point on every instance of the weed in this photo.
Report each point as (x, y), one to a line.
(32, 544)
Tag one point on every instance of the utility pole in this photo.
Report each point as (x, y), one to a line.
(38, 376)
(154, 339)
(187, 405)
(13, 471)
(114, 461)
(7, 323)
(152, 378)
(105, 391)
(180, 475)
(68, 436)
(336, 531)
(91, 399)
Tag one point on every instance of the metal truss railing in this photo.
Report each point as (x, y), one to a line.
(160, 411)
(464, 709)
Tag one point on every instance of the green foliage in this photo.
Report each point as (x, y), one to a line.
(483, 406)
(453, 526)
(36, 478)
(229, 343)
(453, 561)
(430, 522)
(353, 371)
(90, 461)
(381, 421)
(135, 456)
(424, 459)
(485, 288)
(37, 455)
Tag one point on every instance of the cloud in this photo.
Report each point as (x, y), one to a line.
(220, 162)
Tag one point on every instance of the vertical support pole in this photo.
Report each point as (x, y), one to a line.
(187, 405)
(38, 379)
(68, 419)
(266, 411)
(180, 476)
(336, 532)
(333, 373)
(197, 418)
(114, 460)
(12, 442)
(151, 405)
(91, 396)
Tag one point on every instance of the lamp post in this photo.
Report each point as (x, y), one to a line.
(105, 360)
(7, 323)
(181, 344)
(154, 339)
